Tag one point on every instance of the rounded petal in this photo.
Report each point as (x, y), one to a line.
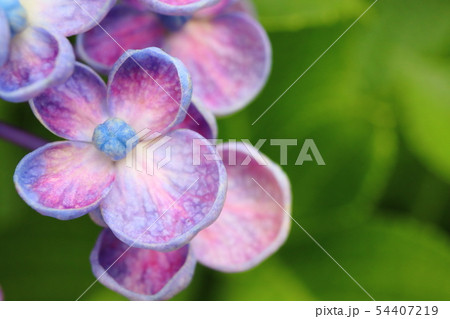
(149, 90)
(244, 6)
(164, 198)
(227, 71)
(255, 220)
(216, 9)
(201, 121)
(73, 110)
(68, 17)
(37, 60)
(64, 180)
(126, 28)
(141, 274)
(176, 7)
(5, 37)
(97, 218)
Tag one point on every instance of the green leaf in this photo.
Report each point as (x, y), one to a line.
(296, 14)
(392, 260)
(272, 280)
(424, 100)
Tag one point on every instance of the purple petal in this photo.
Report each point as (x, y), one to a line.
(228, 71)
(253, 224)
(97, 218)
(126, 28)
(244, 6)
(1, 294)
(177, 7)
(149, 90)
(5, 37)
(141, 274)
(64, 180)
(161, 202)
(201, 121)
(37, 60)
(68, 17)
(216, 9)
(72, 110)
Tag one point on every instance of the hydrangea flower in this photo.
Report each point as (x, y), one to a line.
(148, 91)
(225, 49)
(254, 223)
(34, 53)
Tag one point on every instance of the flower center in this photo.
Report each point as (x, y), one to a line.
(16, 15)
(115, 138)
(173, 23)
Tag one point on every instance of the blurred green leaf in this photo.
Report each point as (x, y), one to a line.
(272, 280)
(46, 259)
(405, 58)
(392, 260)
(296, 14)
(424, 98)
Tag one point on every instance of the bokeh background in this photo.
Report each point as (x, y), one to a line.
(378, 107)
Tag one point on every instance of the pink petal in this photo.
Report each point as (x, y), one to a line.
(149, 90)
(161, 203)
(37, 60)
(64, 180)
(141, 274)
(228, 71)
(255, 220)
(201, 121)
(123, 28)
(68, 17)
(73, 109)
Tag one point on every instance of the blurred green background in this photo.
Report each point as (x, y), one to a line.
(377, 106)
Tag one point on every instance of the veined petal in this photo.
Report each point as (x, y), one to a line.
(150, 90)
(5, 37)
(72, 110)
(170, 193)
(228, 71)
(177, 7)
(126, 28)
(200, 120)
(68, 17)
(255, 220)
(64, 180)
(141, 274)
(37, 60)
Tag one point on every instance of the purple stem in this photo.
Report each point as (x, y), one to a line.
(19, 137)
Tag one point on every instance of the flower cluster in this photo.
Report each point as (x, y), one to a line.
(224, 48)
(138, 153)
(34, 53)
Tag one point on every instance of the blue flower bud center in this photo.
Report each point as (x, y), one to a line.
(173, 23)
(115, 138)
(16, 15)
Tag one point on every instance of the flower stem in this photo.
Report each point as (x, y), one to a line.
(19, 137)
